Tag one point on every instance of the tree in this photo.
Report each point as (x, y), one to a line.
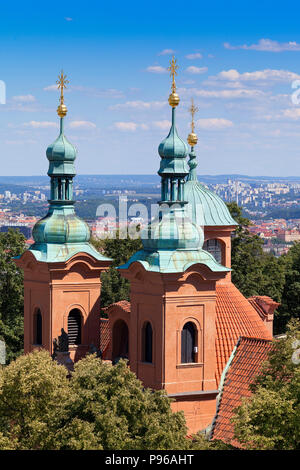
(12, 243)
(290, 303)
(269, 419)
(100, 407)
(33, 395)
(114, 287)
(124, 415)
(253, 271)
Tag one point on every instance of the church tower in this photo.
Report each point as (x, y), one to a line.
(61, 269)
(207, 209)
(169, 332)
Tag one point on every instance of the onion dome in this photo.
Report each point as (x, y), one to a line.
(61, 225)
(61, 234)
(173, 242)
(61, 155)
(173, 151)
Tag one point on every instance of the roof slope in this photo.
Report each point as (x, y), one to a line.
(235, 317)
(245, 363)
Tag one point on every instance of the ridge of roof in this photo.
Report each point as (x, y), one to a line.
(242, 367)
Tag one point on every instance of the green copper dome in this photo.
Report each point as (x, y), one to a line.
(61, 234)
(61, 225)
(173, 242)
(61, 155)
(204, 207)
(173, 151)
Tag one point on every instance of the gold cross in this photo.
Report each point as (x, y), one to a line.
(62, 82)
(193, 110)
(173, 71)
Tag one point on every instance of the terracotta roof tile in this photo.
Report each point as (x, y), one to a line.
(235, 317)
(124, 304)
(105, 334)
(242, 369)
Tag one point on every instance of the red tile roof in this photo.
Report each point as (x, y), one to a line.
(244, 365)
(235, 317)
(105, 335)
(124, 304)
(264, 305)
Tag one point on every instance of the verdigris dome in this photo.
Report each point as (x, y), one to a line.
(61, 225)
(205, 208)
(61, 155)
(173, 233)
(173, 151)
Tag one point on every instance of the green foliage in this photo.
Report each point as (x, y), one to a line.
(100, 407)
(269, 419)
(114, 287)
(253, 271)
(290, 302)
(33, 393)
(12, 243)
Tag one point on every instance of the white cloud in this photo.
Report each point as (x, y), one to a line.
(292, 113)
(213, 123)
(164, 124)
(82, 125)
(267, 45)
(130, 126)
(224, 94)
(40, 124)
(20, 142)
(68, 18)
(139, 105)
(167, 52)
(50, 88)
(196, 70)
(196, 55)
(156, 69)
(24, 98)
(259, 75)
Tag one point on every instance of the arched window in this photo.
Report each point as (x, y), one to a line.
(38, 328)
(188, 343)
(147, 342)
(214, 248)
(74, 326)
(120, 338)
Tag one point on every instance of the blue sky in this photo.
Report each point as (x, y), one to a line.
(238, 61)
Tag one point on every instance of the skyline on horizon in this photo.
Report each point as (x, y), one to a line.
(237, 62)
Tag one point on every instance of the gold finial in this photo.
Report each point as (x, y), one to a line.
(62, 82)
(173, 98)
(192, 137)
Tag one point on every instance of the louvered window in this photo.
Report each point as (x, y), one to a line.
(74, 326)
(188, 343)
(38, 328)
(214, 248)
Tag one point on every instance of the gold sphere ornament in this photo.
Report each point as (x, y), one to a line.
(174, 100)
(192, 139)
(62, 110)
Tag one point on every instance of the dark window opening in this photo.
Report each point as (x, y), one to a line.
(38, 328)
(214, 248)
(147, 342)
(188, 343)
(120, 341)
(74, 326)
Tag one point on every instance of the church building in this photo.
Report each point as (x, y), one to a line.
(187, 329)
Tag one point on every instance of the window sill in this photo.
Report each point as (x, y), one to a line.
(189, 365)
(150, 364)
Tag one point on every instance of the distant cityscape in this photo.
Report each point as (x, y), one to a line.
(272, 204)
